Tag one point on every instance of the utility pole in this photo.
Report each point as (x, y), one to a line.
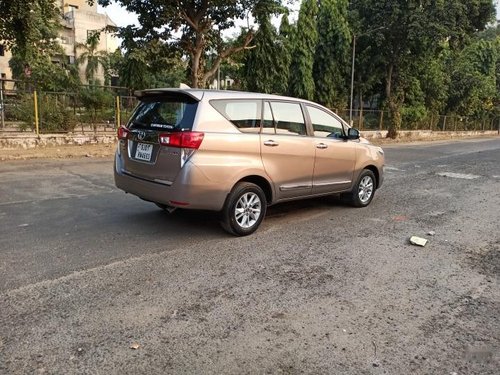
(2, 106)
(352, 76)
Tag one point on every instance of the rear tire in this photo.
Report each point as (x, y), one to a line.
(244, 209)
(364, 190)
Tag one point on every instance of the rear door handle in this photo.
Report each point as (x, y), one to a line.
(321, 146)
(271, 143)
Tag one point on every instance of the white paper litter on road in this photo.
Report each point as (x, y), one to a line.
(414, 240)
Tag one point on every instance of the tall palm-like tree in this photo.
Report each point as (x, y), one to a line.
(92, 56)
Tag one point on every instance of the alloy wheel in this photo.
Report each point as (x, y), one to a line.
(248, 210)
(365, 189)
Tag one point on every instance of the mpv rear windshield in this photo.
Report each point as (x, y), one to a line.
(164, 114)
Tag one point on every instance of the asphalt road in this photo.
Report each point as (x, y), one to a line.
(95, 281)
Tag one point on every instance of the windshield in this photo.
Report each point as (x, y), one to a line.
(164, 114)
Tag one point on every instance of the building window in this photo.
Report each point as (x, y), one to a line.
(2, 50)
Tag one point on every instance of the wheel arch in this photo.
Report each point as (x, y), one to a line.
(376, 172)
(262, 182)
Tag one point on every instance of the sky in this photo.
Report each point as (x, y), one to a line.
(119, 15)
(123, 18)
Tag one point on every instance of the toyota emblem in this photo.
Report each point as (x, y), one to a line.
(141, 135)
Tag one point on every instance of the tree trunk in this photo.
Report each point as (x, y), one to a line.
(197, 64)
(394, 119)
(393, 106)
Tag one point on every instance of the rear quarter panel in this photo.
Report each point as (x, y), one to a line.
(227, 158)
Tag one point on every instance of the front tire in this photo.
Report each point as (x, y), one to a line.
(364, 190)
(244, 209)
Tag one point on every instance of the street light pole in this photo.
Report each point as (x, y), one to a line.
(352, 76)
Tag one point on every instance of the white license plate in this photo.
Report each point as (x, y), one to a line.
(144, 151)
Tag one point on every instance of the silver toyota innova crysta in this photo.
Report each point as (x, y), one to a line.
(239, 152)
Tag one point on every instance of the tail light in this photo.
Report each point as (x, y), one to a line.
(122, 132)
(182, 139)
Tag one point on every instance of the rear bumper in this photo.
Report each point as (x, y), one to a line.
(191, 189)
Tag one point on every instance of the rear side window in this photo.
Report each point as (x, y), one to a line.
(288, 119)
(244, 114)
(165, 114)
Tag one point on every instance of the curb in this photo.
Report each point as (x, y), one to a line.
(22, 141)
(31, 141)
(422, 135)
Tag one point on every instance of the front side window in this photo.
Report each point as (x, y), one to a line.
(324, 124)
(288, 118)
(244, 114)
(164, 114)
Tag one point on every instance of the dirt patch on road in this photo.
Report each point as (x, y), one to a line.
(60, 152)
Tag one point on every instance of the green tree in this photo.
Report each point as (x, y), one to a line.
(411, 31)
(331, 59)
(492, 34)
(29, 30)
(473, 89)
(200, 24)
(146, 64)
(284, 56)
(261, 63)
(44, 73)
(434, 82)
(305, 39)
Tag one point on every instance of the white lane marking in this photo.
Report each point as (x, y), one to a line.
(389, 168)
(462, 176)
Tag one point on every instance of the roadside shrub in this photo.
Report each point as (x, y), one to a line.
(24, 111)
(52, 113)
(98, 104)
(413, 116)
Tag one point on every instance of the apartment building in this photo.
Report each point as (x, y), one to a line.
(78, 20)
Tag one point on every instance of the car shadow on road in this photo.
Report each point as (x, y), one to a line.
(303, 206)
(188, 222)
(196, 222)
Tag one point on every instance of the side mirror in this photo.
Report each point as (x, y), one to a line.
(353, 133)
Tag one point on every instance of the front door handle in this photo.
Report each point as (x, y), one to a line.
(321, 146)
(271, 143)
